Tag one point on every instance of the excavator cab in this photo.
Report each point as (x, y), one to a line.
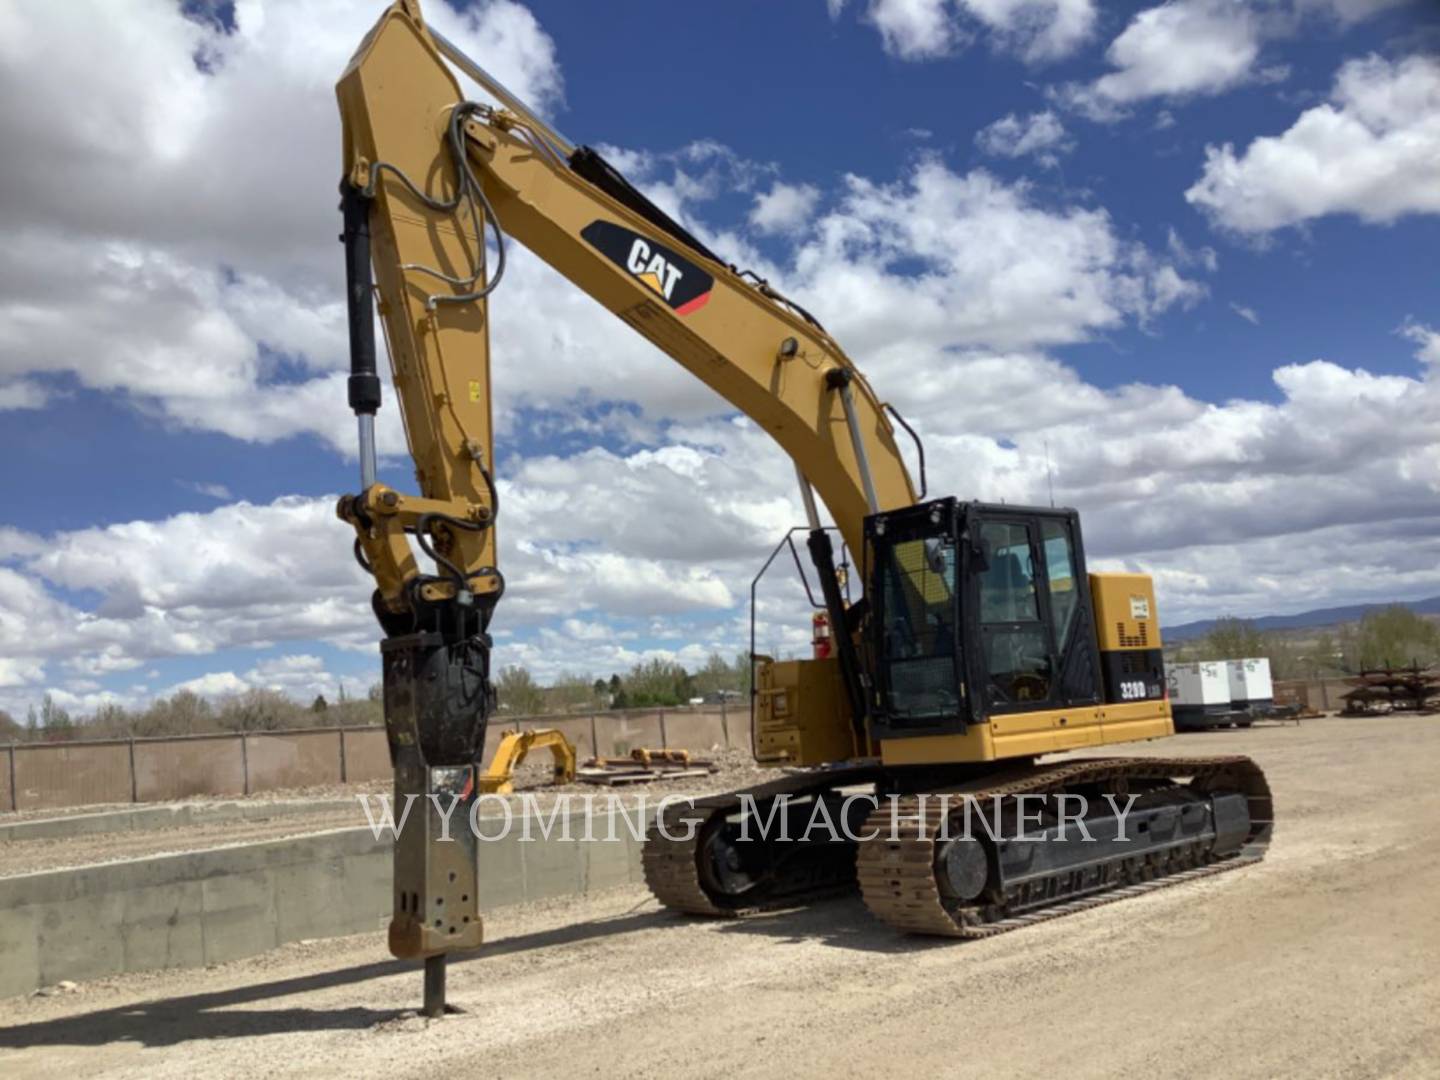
(977, 610)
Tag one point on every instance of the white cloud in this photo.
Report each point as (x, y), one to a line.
(22, 394)
(1180, 49)
(204, 229)
(784, 208)
(1350, 11)
(1035, 30)
(1041, 134)
(211, 684)
(917, 29)
(956, 260)
(1372, 150)
(1184, 49)
(1246, 313)
(300, 676)
(209, 490)
(1427, 339)
(1186, 256)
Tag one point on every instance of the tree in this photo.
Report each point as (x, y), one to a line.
(260, 710)
(618, 698)
(570, 692)
(657, 682)
(1325, 654)
(744, 673)
(1285, 659)
(1396, 637)
(518, 692)
(110, 719)
(55, 721)
(10, 731)
(716, 676)
(1234, 639)
(183, 713)
(319, 705)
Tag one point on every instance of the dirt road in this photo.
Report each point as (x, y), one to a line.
(1322, 961)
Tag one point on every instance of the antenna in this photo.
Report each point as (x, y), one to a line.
(1049, 474)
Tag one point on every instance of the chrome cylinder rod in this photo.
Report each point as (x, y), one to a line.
(367, 450)
(807, 496)
(839, 379)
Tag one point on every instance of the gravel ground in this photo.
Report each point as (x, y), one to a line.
(736, 769)
(1323, 961)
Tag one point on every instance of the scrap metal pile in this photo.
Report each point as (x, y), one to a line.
(1381, 690)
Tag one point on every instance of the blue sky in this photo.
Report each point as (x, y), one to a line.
(1188, 249)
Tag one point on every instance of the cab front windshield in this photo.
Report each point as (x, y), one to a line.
(919, 631)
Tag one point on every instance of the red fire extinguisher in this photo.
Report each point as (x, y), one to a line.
(820, 637)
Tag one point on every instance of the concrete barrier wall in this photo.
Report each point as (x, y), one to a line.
(52, 775)
(71, 774)
(180, 768)
(293, 759)
(697, 732)
(212, 906)
(168, 816)
(367, 755)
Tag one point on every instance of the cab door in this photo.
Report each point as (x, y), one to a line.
(1032, 612)
(1017, 648)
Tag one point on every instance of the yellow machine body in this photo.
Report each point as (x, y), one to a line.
(801, 717)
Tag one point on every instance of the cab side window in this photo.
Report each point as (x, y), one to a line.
(1060, 579)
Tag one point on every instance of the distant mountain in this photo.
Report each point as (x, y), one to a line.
(1305, 619)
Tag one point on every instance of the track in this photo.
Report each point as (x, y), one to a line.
(672, 864)
(896, 869)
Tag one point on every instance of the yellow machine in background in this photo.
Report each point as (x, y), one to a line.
(979, 641)
(499, 777)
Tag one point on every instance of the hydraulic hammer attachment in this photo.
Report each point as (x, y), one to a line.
(436, 707)
(426, 699)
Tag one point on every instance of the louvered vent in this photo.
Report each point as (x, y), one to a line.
(1132, 641)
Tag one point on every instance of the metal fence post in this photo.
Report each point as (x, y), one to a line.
(664, 742)
(245, 761)
(594, 738)
(134, 778)
(724, 721)
(340, 734)
(14, 791)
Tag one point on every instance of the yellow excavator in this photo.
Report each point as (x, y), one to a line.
(979, 642)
